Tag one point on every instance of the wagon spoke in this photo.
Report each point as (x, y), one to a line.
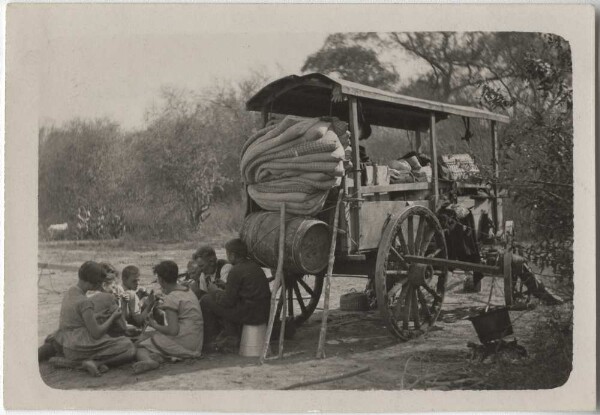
(406, 308)
(410, 236)
(415, 308)
(299, 298)
(279, 307)
(400, 238)
(431, 291)
(434, 253)
(290, 301)
(419, 236)
(424, 305)
(400, 257)
(426, 241)
(306, 287)
(441, 282)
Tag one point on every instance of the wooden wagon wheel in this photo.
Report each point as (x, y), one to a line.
(410, 296)
(507, 274)
(303, 294)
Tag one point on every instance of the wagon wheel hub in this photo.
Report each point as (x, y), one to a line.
(420, 274)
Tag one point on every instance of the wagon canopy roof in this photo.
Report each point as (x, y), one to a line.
(311, 96)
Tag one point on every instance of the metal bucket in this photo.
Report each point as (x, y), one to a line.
(493, 325)
(253, 338)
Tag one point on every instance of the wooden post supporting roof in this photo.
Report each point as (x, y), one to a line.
(418, 143)
(434, 162)
(496, 203)
(354, 219)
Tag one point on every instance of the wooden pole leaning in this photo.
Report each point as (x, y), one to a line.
(323, 333)
(281, 277)
(277, 283)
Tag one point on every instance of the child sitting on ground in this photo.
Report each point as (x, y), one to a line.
(106, 301)
(182, 336)
(135, 308)
(80, 336)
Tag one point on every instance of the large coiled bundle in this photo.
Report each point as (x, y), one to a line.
(296, 161)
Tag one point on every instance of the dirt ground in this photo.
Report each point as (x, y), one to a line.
(440, 359)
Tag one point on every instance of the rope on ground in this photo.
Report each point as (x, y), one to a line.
(327, 379)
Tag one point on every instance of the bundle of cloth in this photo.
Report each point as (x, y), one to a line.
(296, 161)
(410, 168)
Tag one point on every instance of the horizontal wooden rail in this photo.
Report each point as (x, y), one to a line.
(467, 266)
(398, 187)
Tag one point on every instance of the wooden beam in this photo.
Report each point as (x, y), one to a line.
(496, 172)
(361, 91)
(355, 210)
(466, 266)
(323, 332)
(434, 164)
(279, 282)
(398, 187)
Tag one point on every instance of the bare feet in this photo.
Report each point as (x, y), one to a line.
(102, 368)
(144, 366)
(91, 367)
(157, 358)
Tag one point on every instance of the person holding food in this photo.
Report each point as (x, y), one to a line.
(182, 335)
(82, 339)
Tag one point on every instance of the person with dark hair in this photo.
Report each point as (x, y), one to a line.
(135, 309)
(81, 339)
(182, 336)
(214, 271)
(246, 300)
(106, 300)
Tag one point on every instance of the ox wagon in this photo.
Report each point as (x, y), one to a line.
(392, 232)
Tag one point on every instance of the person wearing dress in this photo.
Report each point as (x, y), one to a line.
(182, 336)
(81, 338)
(106, 300)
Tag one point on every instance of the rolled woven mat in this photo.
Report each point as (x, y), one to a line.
(259, 147)
(320, 146)
(271, 131)
(316, 176)
(296, 162)
(274, 168)
(295, 197)
(314, 133)
(292, 187)
(297, 184)
(271, 201)
(256, 136)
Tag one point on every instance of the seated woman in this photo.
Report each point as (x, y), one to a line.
(82, 339)
(182, 336)
(106, 301)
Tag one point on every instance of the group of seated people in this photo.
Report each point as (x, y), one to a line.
(103, 323)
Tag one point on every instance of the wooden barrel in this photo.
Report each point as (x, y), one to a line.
(306, 242)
